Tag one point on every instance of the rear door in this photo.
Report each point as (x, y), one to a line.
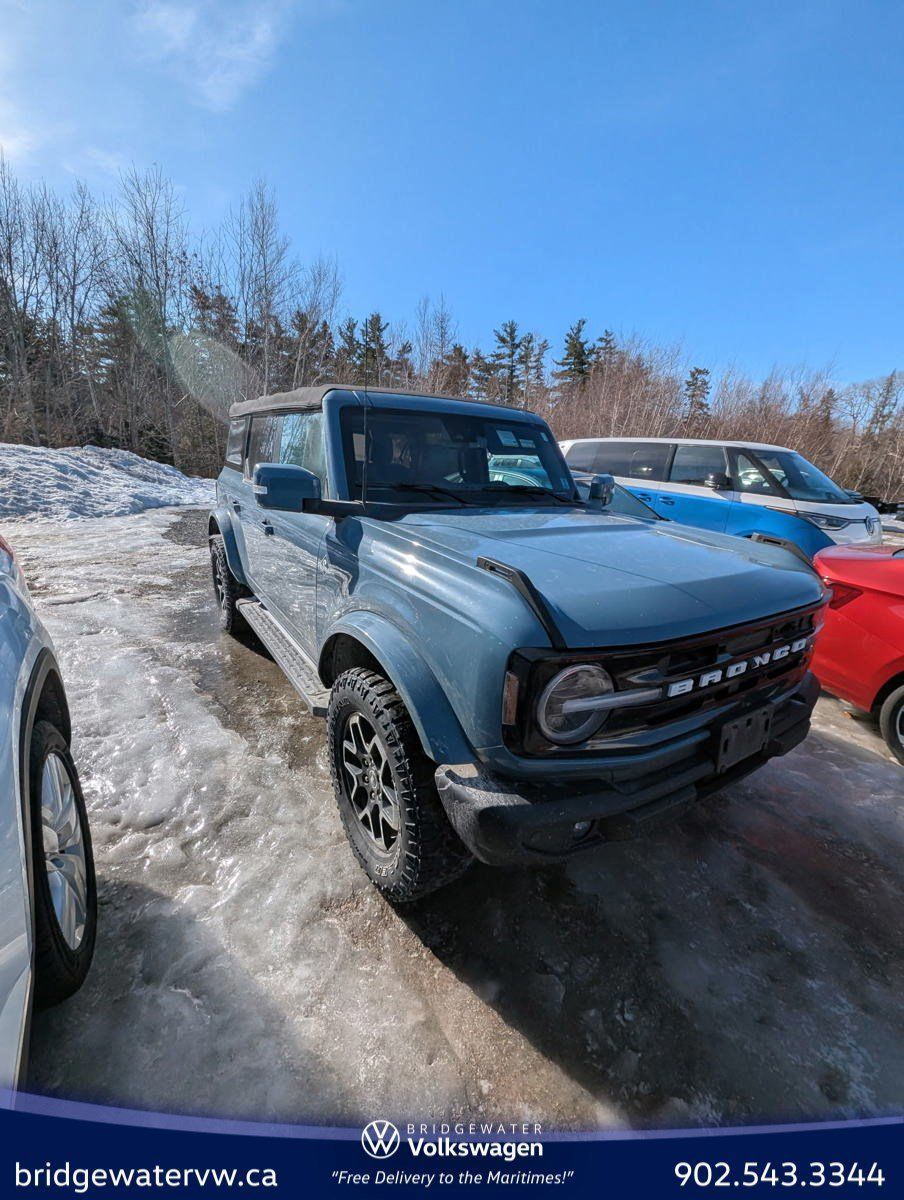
(686, 497)
(233, 492)
(257, 524)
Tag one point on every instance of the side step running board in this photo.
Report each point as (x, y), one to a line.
(295, 664)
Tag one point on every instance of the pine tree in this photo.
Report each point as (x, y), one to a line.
(215, 315)
(605, 350)
(456, 370)
(400, 367)
(696, 398)
(374, 358)
(533, 364)
(483, 376)
(348, 353)
(506, 360)
(577, 358)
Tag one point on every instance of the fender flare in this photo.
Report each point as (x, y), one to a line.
(221, 519)
(434, 718)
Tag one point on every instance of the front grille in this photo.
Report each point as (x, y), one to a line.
(660, 664)
(688, 658)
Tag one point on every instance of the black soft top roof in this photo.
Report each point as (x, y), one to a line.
(312, 397)
(307, 397)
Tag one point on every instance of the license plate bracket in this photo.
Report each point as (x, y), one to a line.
(743, 737)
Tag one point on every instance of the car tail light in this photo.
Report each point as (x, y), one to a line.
(841, 593)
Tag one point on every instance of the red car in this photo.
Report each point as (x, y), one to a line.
(860, 651)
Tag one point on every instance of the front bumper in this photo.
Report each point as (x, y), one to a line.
(535, 823)
(857, 534)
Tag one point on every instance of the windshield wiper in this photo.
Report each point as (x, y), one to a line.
(526, 489)
(427, 489)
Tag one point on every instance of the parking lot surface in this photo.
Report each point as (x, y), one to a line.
(744, 964)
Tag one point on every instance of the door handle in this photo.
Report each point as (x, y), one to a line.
(645, 496)
(267, 527)
(664, 501)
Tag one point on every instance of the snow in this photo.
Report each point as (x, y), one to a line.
(89, 481)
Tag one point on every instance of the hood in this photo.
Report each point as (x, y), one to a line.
(613, 580)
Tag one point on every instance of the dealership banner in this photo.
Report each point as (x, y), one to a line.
(65, 1149)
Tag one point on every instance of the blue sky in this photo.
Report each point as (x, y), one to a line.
(725, 175)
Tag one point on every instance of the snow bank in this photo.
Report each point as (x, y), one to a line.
(87, 481)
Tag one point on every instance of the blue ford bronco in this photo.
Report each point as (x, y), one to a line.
(509, 669)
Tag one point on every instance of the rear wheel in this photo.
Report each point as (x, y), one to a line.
(65, 891)
(385, 790)
(226, 588)
(891, 722)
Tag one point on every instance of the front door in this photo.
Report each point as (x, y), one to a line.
(686, 497)
(294, 546)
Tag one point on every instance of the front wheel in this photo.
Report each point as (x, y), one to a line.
(385, 790)
(891, 722)
(226, 588)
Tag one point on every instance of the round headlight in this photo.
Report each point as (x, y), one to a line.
(565, 712)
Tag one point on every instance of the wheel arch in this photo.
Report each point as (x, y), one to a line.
(220, 522)
(367, 640)
(891, 684)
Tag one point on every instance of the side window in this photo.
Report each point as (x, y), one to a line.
(583, 456)
(235, 442)
(648, 460)
(692, 464)
(263, 445)
(645, 461)
(748, 476)
(302, 444)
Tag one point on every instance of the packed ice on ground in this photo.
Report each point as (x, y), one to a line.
(89, 481)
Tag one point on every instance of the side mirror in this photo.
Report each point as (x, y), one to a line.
(286, 487)
(718, 481)
(602, 489)
(854, 494)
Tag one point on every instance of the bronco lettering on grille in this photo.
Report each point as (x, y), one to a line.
(715, 675)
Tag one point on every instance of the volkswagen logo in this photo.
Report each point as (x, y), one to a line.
(380, 1139)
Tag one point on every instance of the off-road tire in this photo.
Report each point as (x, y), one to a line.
(427, 853)
(891, 722)
(226, 588)
(59, 971)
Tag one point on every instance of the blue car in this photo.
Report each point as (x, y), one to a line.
(740, 488)
(509, 669)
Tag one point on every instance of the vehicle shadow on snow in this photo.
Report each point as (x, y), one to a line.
(169, 1021)
(743, 964)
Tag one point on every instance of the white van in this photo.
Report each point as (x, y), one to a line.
(732, 487)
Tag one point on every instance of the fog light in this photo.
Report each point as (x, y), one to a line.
(580, 829)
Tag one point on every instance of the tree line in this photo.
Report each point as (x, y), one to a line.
(121, 326)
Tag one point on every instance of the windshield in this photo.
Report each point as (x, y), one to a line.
(448, 457)
(798, 478)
